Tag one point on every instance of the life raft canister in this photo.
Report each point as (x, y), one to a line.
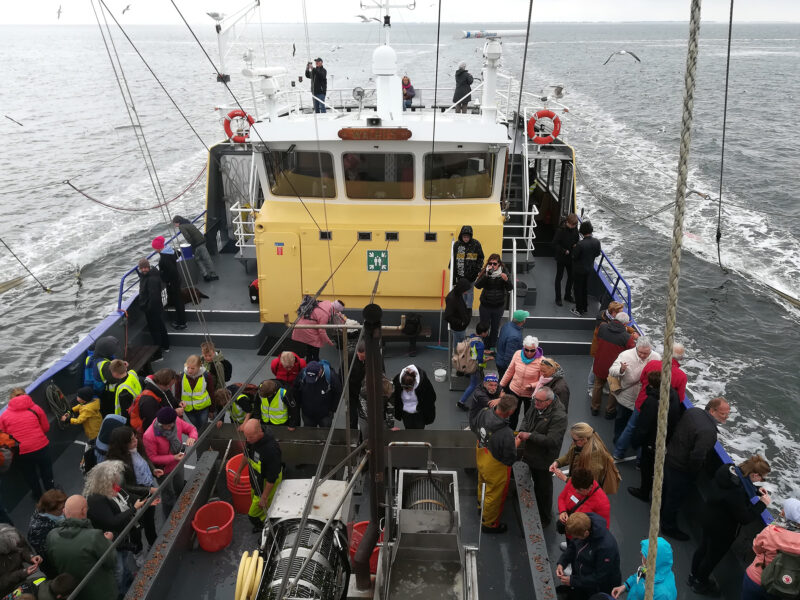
(226, 124)
(541, 139)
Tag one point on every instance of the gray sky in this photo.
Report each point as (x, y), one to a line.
(327, 11)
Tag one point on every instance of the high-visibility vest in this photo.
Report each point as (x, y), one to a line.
(132, 385)
(237, 414)
(197, 398)
(274, 410)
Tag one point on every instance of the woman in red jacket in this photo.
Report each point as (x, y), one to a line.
(26, 421)
(583, 494)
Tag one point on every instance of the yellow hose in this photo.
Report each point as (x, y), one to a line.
(256, 578)
(242, 563)
(248, 576)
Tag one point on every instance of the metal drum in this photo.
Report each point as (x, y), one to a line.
(429, 492)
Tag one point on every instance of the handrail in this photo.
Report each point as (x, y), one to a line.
(122, 289)
(512, 307)
(615, 291)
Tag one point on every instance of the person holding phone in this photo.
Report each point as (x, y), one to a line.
(319, 84)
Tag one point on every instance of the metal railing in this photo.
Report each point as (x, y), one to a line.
(244, 220)
(123, 289)
(618, 288)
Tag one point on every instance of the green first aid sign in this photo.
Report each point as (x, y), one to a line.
(377, 260)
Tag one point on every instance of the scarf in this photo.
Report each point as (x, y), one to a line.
(144, 476)
(539, 352)
(543, 381)
(171, 435)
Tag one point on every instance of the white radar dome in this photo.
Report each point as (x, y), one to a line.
(384, 61)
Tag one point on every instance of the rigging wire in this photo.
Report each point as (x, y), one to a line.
(435, 109)
(724, 127)
(19, 260)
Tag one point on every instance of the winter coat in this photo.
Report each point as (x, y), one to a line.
(594, 560)
(766, 545)
(26, 421)
(89, 416)
(467, 257)
(408, 92)
(319, 398)
(319, 80)
(456, 312)
(480, 399)
(728, 505)
(107, 515)
(678, 380)
(149, 405)
(522, 378)
(38, 528)
(168, 267)
(547, 428)
(563, 242)
(598, 464)
(284, 375)
(190, 233)
(495, 289)
(323, 314)
(495, 435)
(694, 437)
(612, 338)
(560, 388)
(586, 250)
(74, 547)
(14, 553)
(150, 290)
(644, 434)
(596, 501)
(629, 380)
(157, 447)
(463, 83)
(508, 342)
(664, 586)
(426, 395)
(602, 317)
(388, 404)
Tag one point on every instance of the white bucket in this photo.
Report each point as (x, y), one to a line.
(440, 375)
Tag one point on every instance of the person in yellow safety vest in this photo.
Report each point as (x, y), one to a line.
(241, 409)
(277, 405)
(195, 386)
(101, 379)
(495, 453)
(266, 471)
(126, 390)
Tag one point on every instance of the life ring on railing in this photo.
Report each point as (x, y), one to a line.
(226, 124)
(544, 139)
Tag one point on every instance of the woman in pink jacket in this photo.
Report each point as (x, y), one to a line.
(522, 375)
(325, 312)
(165, 448)
(26, 421)
(766, 545)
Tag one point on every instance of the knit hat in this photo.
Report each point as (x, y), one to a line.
(86, 393)
(520, 315)
(166, 415)
(158, 242)
(791, 508)
(491, 376)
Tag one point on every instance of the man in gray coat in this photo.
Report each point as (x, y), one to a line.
(198, 243)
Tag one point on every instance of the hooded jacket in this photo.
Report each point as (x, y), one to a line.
(190, 233)
(463, 83)
(456, 312)
(154, 399)
(168, 266)
(89, 416)
(596, 501)
(495, 290)
(423, 389)
(694, 437)
(612, 338)
(522, 378)
(14, 553)
(728, 505)
(467, 257)
(664, 587)
(40, 525)
(766, 545)
(558, 383)
(26, 421)
(74, 547)
(678, 380)
(644, 434)
(508, 342)
(317, 397)
(323, 314)
(547, 428)
(594, 560)
(157, 446)
(150, 290)
(495, 435)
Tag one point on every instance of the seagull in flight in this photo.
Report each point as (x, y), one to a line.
(58, 14)
(126, 9)
(622, 52)
(365, 19)
(216, 16)
(558, 91)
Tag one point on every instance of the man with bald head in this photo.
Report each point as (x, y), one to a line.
(264, 460)
(75, 546)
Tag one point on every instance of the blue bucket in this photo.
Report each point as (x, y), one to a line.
(186, 251)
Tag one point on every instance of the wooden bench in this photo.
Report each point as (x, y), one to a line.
(394, 334)
(140, 357)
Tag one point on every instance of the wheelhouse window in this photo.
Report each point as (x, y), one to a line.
(376, 175)
(459, 175)
(308, 174)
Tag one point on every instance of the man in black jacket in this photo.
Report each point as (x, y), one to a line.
(543, 431)
(153, 309)
(319, 84)
(414, 398)
(198, 243)
(463, 88)
(564, 242)
(467, 261)
(594, 555)
(586, 250)
(170, 275)
(456, 313)
(694, 438)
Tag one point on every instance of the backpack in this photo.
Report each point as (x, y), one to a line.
(413, 324)
(462, 360)
(58, 403)
(134, 417)
(781, 577)
(88, 370)
(307, 306)
(253, 291)
(9, 448)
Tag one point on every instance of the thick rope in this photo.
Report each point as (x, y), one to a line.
(672, 294)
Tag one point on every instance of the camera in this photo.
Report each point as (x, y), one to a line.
(183, 449)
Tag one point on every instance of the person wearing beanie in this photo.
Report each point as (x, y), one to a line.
(586, 250)
(462, 96)
(171, 276)
(198, 243)
(510, 340)
(88, 409)
(152, 306)
(486, 394)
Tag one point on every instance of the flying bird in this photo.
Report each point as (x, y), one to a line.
(14, 120)
(126, 9)
(366, 19)
(622, 52)
(294, 49)
(558, 91)
(58, 14)
(216, 16)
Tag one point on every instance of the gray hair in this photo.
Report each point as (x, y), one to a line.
(102, 478)
(644, 342)
(678, 351)
(622, 317)
(547, 392)
(530, 342)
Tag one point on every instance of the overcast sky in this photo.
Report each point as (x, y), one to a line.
(328, 11)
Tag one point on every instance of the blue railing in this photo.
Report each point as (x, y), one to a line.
(613, 281)
(122, 289)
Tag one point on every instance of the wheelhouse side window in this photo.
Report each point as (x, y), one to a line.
(459, 175)
(555, 186)
(308, 174)
(378, 176)
(542, 165)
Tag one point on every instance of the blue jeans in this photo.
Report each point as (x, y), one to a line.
(624, 439)
(406, 104)
(198, 418)
(624, 415)
(469, 297)
(491, 316)
(752, 591)
(474, 381)
(125, 571)
(319, 106)
(458, 336)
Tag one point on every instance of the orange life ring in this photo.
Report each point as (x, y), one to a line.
(226, 124)
(541, 139)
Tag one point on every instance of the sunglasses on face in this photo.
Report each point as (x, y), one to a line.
(529, 350)
(547, 363)
(492, 264)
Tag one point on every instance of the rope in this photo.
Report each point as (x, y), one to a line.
(19, 260)
(724, 124)
(435, 104)
(672, 294)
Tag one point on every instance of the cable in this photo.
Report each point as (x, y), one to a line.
(435, 108)
(722, 151)
(19, 260)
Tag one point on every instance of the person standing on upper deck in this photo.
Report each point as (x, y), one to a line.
(198, 243)
(171, 276)
(564, 242)
(319, 84)
(467, 261)
(586, 250)
(152, 307)
(463, 88)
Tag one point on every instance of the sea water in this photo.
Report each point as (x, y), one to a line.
(624, 122)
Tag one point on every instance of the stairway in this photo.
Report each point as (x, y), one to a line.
(230, 329)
